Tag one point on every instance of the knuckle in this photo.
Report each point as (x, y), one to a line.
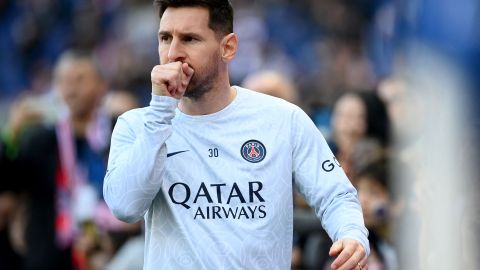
(157, 69)
(156, 72)
(168, 76)
(176, 65)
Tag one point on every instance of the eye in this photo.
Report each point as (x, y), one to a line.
(189, 39)
(164, 38)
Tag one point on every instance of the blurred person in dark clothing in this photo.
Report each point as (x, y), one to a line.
(23, 113)
(9, 258)
(64, 165)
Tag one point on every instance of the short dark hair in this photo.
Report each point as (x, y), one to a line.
(378, 171)
(221, 12)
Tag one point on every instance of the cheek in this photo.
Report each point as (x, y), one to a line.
(163, 59)
(338, 123)
(200, 66)
(90, 93)
(163, 54)
(204, 59)
(360, 125)
(364, 201)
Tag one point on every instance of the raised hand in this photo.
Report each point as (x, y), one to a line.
(171, 79)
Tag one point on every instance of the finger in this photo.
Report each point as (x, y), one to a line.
(172, 86)
(187, 70)
(187, 75)
(347, 252)
(180, 80)
(174, 78)
(363, 263)
(336, 248)
(354, 261)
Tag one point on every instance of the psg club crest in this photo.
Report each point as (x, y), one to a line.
(253, 151)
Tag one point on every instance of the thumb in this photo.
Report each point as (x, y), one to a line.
(336, 248)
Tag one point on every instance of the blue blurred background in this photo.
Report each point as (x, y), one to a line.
(424, 53)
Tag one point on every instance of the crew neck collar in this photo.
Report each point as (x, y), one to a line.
(230, 107)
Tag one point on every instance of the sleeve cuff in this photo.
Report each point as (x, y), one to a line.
(163, 102)
(161, 110)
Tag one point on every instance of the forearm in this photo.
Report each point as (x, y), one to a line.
(137, 158)
(336, 205)
(343, 219)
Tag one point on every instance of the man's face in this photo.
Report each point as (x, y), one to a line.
(80, 86)
(185, 36)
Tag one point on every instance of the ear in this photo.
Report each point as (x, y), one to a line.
(229, 47)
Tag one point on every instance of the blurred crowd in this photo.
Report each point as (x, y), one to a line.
(69, 68)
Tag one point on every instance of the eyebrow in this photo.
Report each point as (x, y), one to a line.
(164, 33)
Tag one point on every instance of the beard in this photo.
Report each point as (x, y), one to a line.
(202, 82)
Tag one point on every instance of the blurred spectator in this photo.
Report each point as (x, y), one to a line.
(23, 113)
(373, 185)
(328, 48)
(272, 83)
(349, 126)
(118, 102)
(366, 152)
(357, 115)
(64, 166)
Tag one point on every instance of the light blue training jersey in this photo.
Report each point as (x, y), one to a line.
(216, 190)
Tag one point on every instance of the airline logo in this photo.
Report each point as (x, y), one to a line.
(210, 200)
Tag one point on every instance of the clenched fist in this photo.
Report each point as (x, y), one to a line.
(171, 79)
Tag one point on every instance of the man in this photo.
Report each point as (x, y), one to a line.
(64, 165)
(209, 166)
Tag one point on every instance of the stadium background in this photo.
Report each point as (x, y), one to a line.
(325, 48)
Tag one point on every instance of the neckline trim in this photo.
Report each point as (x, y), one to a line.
(230, 107)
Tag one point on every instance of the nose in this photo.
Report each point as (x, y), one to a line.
(176, 51)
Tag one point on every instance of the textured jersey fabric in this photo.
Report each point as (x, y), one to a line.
(216, 190)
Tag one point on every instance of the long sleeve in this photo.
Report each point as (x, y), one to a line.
(324, 184)
(137, 157)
